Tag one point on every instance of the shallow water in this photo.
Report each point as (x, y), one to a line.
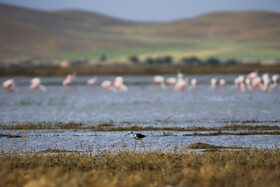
(80, 140)
(143, 104)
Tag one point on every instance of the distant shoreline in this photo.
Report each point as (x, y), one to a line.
(138, 70)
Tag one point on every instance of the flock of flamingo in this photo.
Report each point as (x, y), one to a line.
(249, 82)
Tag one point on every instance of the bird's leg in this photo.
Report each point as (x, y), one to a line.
(143, 145)
(134, 146)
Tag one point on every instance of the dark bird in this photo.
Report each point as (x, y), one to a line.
(137, 136)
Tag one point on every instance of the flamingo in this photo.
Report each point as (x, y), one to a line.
(171, 81)
(248, 84)
(107, 85)
(119, 85)
(69, 80)
(180, 83)
(159, 80)
(241, 85)
(266, 83)
(235, 85)
(222, 83)
(9, 85)
(35, 84)
(92, 81)
(275, 79)
(213, 83)
(252, 75)
(193, 84)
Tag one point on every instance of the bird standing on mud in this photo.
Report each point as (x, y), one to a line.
(137, 136)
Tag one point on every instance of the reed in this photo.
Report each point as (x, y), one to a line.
(248, 167)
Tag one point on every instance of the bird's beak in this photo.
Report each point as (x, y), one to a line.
(127, 134)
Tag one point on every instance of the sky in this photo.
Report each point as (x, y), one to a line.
(150, 10)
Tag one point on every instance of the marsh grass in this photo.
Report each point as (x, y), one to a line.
(199, 145)
(248, 167)
(110, 126)
(10, 136)
(219, 133)
(57, 151)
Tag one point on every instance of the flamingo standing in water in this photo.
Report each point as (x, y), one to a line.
(248, 84)
(119, 85)
(171, 82)
(159, 80)
(241, 85)
(193, 84)
(107, 85)
(252, 75)
(180, 84)
(265, 87)
(68, 81)
(213, 83)
(251, 81)
(275, 79)
(9, 85)
(222, 83)
(92, 81)
(36, 85)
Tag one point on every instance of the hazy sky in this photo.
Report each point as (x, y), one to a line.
(157, 10)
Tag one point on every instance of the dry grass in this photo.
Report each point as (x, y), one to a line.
(212, 148)
(154, 168)
(219, 133)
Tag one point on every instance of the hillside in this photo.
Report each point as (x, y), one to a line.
(250, 26)
(74, 33)
(25, 32)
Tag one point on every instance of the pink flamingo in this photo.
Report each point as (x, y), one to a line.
(213, 83)
(159, 80)
(68, 81)
(181, 83)
(36, 85)
(241, 84)
(193, 84)
(248, 84)
(171, 82)
(9, 85)
(222, 83)
(107, 85)
(92, 81)
(275, 79)
(265, 87)
(119, 85)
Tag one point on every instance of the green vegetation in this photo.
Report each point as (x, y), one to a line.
(185, 48)
(245, 167)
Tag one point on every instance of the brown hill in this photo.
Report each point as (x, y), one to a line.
(26, 32)
(253, 26)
